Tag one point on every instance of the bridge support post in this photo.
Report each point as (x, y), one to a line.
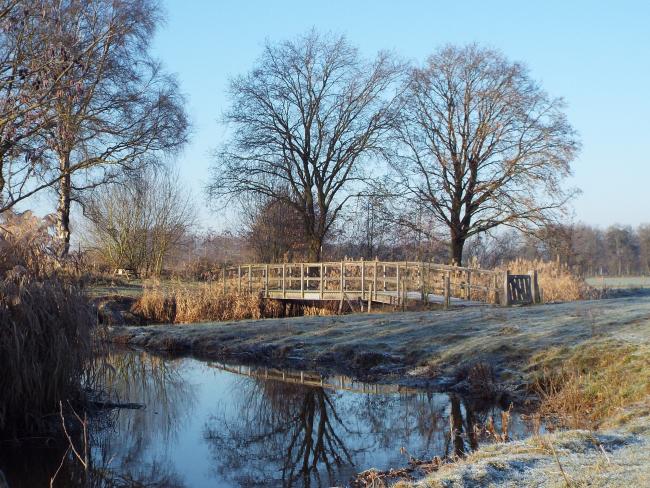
(302, 280)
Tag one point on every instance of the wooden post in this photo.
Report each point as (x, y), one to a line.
(534, 286)
(374, 280)
(239, 279)
(422, 280)
(363, 279)
(447, 290)
(384, 271)
(398, 283)
(266, 281)
(284, 290)
(322, 279)
(506, 300)
(404, 294)
(369, 297)
(250, 278)
(302, 280)
(468, 284)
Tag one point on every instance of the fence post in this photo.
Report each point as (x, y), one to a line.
(374, 280)
(239, 279)
(250, 278)
(322, 279)
(507, 299)
(447, 289)
(534, 284)
(363, 279)
(468, 284)
(284, 290)
(302, 280)
(266, 281)
(369, 297)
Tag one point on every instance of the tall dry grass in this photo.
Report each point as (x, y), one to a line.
(594, 384)
(556, 282)
(45, 322)
(180, 304)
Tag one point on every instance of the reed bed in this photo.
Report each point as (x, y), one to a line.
(180, 304)
(557, 283)
(45, 328)
(45, 347)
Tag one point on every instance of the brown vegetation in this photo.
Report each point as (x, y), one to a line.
(556, 282)
(593, 384)
(208, 302)
(45, 324)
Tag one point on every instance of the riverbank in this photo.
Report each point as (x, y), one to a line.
(434, 348)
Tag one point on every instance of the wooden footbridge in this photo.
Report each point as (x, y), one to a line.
(393, 283)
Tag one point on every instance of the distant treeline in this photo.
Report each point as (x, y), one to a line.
(587, 250)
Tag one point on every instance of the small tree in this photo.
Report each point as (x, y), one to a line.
(137, 222)
(306, 120)
(481, 145)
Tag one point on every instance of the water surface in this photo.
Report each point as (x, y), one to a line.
(207, 425)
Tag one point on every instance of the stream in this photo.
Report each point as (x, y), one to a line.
(212, 425)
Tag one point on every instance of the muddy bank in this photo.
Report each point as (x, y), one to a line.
(481, 350)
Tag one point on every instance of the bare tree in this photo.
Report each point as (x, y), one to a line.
(136, 223)
(306, 119)
(273, 230)
(481, 144)
(115, 109)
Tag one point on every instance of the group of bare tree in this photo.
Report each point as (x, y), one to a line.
(82, 102)
(136, 223)
(467, 143)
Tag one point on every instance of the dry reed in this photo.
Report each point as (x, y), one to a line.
(45, 322)
(209, 303)
(586, 386)
(556, 282)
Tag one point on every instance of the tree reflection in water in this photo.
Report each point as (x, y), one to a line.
(282, 433)
(280, 427)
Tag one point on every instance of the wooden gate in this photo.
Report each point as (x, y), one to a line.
(521, 289)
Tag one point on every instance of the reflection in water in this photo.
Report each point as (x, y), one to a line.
(207, 427)
(281, 427)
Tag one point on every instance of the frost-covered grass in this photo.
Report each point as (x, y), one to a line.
(619, 281)
(573, 458)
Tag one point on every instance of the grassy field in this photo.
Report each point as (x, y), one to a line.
(619, 281)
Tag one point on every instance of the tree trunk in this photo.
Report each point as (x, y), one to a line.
(63, 209)
(315, 248)
(456, 248)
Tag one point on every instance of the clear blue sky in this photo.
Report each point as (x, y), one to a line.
(594, 54)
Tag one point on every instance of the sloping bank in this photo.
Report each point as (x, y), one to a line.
(438, 346)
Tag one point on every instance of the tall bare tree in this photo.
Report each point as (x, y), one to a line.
(481, 144)
(115, 110)
(307, 118)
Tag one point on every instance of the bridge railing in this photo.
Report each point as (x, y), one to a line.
(381, 281)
